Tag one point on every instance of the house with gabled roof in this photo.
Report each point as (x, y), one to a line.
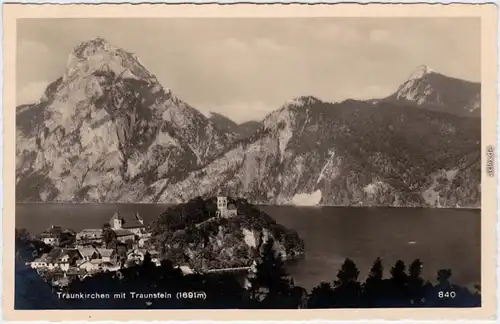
(54, 235)
(68, 258)
(89, 235)
(88, 253)
(123, 235)
(52, 258)
(108, 255)
(40, 262)
(93, 265)
(128, 221)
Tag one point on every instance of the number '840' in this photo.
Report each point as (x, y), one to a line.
(447, 294)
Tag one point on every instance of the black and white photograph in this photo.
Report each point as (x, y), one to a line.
(248, 163)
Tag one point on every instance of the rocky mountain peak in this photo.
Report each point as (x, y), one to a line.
(415, 88)
(92, 46)
(291, 108)
(98, 55)
(109, 132)
(420, 72)
(108, 116)
(301, 101)
(432, 90)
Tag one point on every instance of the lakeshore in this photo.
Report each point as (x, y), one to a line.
(330, 234)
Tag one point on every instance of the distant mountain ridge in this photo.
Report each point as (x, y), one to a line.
(107, 131)
(241, 131)
(435, 91)
(348, 154)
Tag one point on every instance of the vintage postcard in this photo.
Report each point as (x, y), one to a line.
(270, 162)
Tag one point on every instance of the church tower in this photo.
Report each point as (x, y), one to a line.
(221, 206)
(117, 221)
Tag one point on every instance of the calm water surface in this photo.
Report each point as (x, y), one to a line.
(442, 238)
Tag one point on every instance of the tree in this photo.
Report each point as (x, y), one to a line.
(347, 274)
(271, 273)
(399, 282)
(147, 267)
(241, 252)
(121, 252)
(177, 256)
(167, 268)
(321, 296)
(377, 271)
(443, 276)
(129, 244)
(109, 236)
(22, 234)
(130, 263)
(442, 292)
(347, 289)
(374, 285)
(416, 283)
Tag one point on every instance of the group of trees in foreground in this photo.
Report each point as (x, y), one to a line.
(271, 287)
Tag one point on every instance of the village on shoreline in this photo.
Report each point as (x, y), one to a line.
(122, 242)
(121, 257)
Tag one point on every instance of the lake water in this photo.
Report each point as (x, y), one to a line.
(441, 238)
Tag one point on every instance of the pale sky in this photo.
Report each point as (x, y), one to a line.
(247, 67)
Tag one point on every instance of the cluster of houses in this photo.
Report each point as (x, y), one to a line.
(56, 236)
(85, 252)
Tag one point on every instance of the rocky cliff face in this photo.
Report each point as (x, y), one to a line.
(190, 233)
(107, 131)
(351, 153)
